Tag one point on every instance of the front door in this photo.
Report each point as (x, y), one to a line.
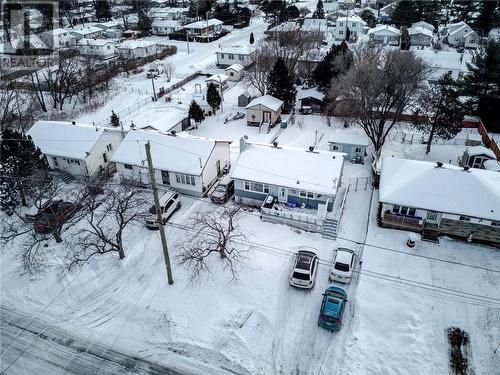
(432, 216)
(266, 116)
(105, 157)
(165, 178)
(217, 164)
(283, 195)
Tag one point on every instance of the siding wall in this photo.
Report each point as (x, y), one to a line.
(258, 112)
(349, 149)
(219, 153)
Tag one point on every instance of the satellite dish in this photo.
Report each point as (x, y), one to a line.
(245, 137)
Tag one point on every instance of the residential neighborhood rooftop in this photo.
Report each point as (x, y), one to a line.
(267, 101)
(448, 189)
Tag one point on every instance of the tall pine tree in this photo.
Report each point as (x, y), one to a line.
(405, 13)
(252, 39)
(280, 84)
(336, 62)
(488, 17)
(102, 10)
(320, 10)
(405, 39)
(195, 112)
(482, 85)
(144, 19)
(440, 109)
(213, 97)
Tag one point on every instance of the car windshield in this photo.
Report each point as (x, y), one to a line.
(304, 262)
(341, 267)
(300, 276)
(327, 318)
(220, 188)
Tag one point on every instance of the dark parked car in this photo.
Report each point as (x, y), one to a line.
(54, 214)
(224, 191)
(332, 308)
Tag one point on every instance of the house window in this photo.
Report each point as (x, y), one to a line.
(310, 195)
(192, 181)
(432, 215)
(353, 24)
(231, 57)
(303, 193)
(266, 189)
(358, 149)
(495, 223)
(464, 218)
(185, 179)
(257, 187)
(109, 147)
(128, 166)
(240, 57)
(55, 161)
(221, 55)
(247, 185)
(411, 211)
(341, 32)
(335, 147)
(341, 24)
(396, 209)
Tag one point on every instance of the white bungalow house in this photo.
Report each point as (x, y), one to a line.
(172, 119)
(416, 195)
(190, 165)
(98, 48)
(235, 72)
(80, 150)
(384, 34)
(420, 36)
(58, 38)
(264, 110)
(460, 34)
(202, 28)
(243, 55)
(355, 25)
(137, 49)
(292, 185)
(350, 142)
(89, 32)
(219, 81)
(165, 27)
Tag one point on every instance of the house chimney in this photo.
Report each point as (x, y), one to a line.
(439, 164)
(73, 123)
(243, 143)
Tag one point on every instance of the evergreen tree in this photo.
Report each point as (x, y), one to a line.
(275, 11)
(292, 12)
(195, 112)
(213, 97)
(482, 85)
(428, 11)
(487, 18)
(103, 10)
(144, 19)
(252, 39)
(368, 16)
(9, 196)
(336, 62)
(320, 10)
(21, 159)
(115, 120)
(405, 39)
(442, 110)
(280, 84)
(405, 13)
(463, 10)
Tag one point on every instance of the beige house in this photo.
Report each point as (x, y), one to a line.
(264, 110)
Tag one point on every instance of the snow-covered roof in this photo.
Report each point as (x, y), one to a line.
(285, 27)
(58, 31)
(492, 165)
(351, 19)
(87, 30)
(95, 42)
(423, 24)
(314, 24)
(64, 139)
(348, 136)
(238, 50)
(318, 171)
(183, 154)
(236, 67)
(169, 118)
(202, 24)
(165, 23)
(133, 44)
(267, 101)
(310, 93)
(384, 28)
(217, 78)
(457, 30)
(480, 150)
(419, 30)
(451, 60)
(449, 189)
(494, 34)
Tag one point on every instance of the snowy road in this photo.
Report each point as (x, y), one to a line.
(57, 352)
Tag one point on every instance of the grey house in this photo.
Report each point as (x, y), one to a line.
(291, 185)
(244, 99)
(349, 142)
(440, 199)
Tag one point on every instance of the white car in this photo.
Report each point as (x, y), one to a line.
(343, 264)
(305, 268)
(169, 203)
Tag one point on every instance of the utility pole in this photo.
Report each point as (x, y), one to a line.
(154, 91)
(158, 213)
(187, 40)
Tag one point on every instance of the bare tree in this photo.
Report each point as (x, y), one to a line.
(106, 222)
(377, 89)
(38, 89)
(63, 81)
(256, 76)
(169, 70)
(215, 232)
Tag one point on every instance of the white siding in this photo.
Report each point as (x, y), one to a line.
(96, 158)
(219, 153)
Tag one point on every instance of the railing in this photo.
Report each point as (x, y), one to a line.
(403, 221)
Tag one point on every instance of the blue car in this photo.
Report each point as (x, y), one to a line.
(332, 308)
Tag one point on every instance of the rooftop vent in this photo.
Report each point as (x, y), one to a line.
(311, 148)
(275, 144)
(466, 168)
(439, 164)
(73, 123)
(173, 133)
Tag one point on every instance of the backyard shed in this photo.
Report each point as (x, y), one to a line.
(244, 99)
(352, 143)
(264, 110)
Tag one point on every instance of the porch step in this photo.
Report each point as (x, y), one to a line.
(430, 236)
(66, 177)
(330, 227)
